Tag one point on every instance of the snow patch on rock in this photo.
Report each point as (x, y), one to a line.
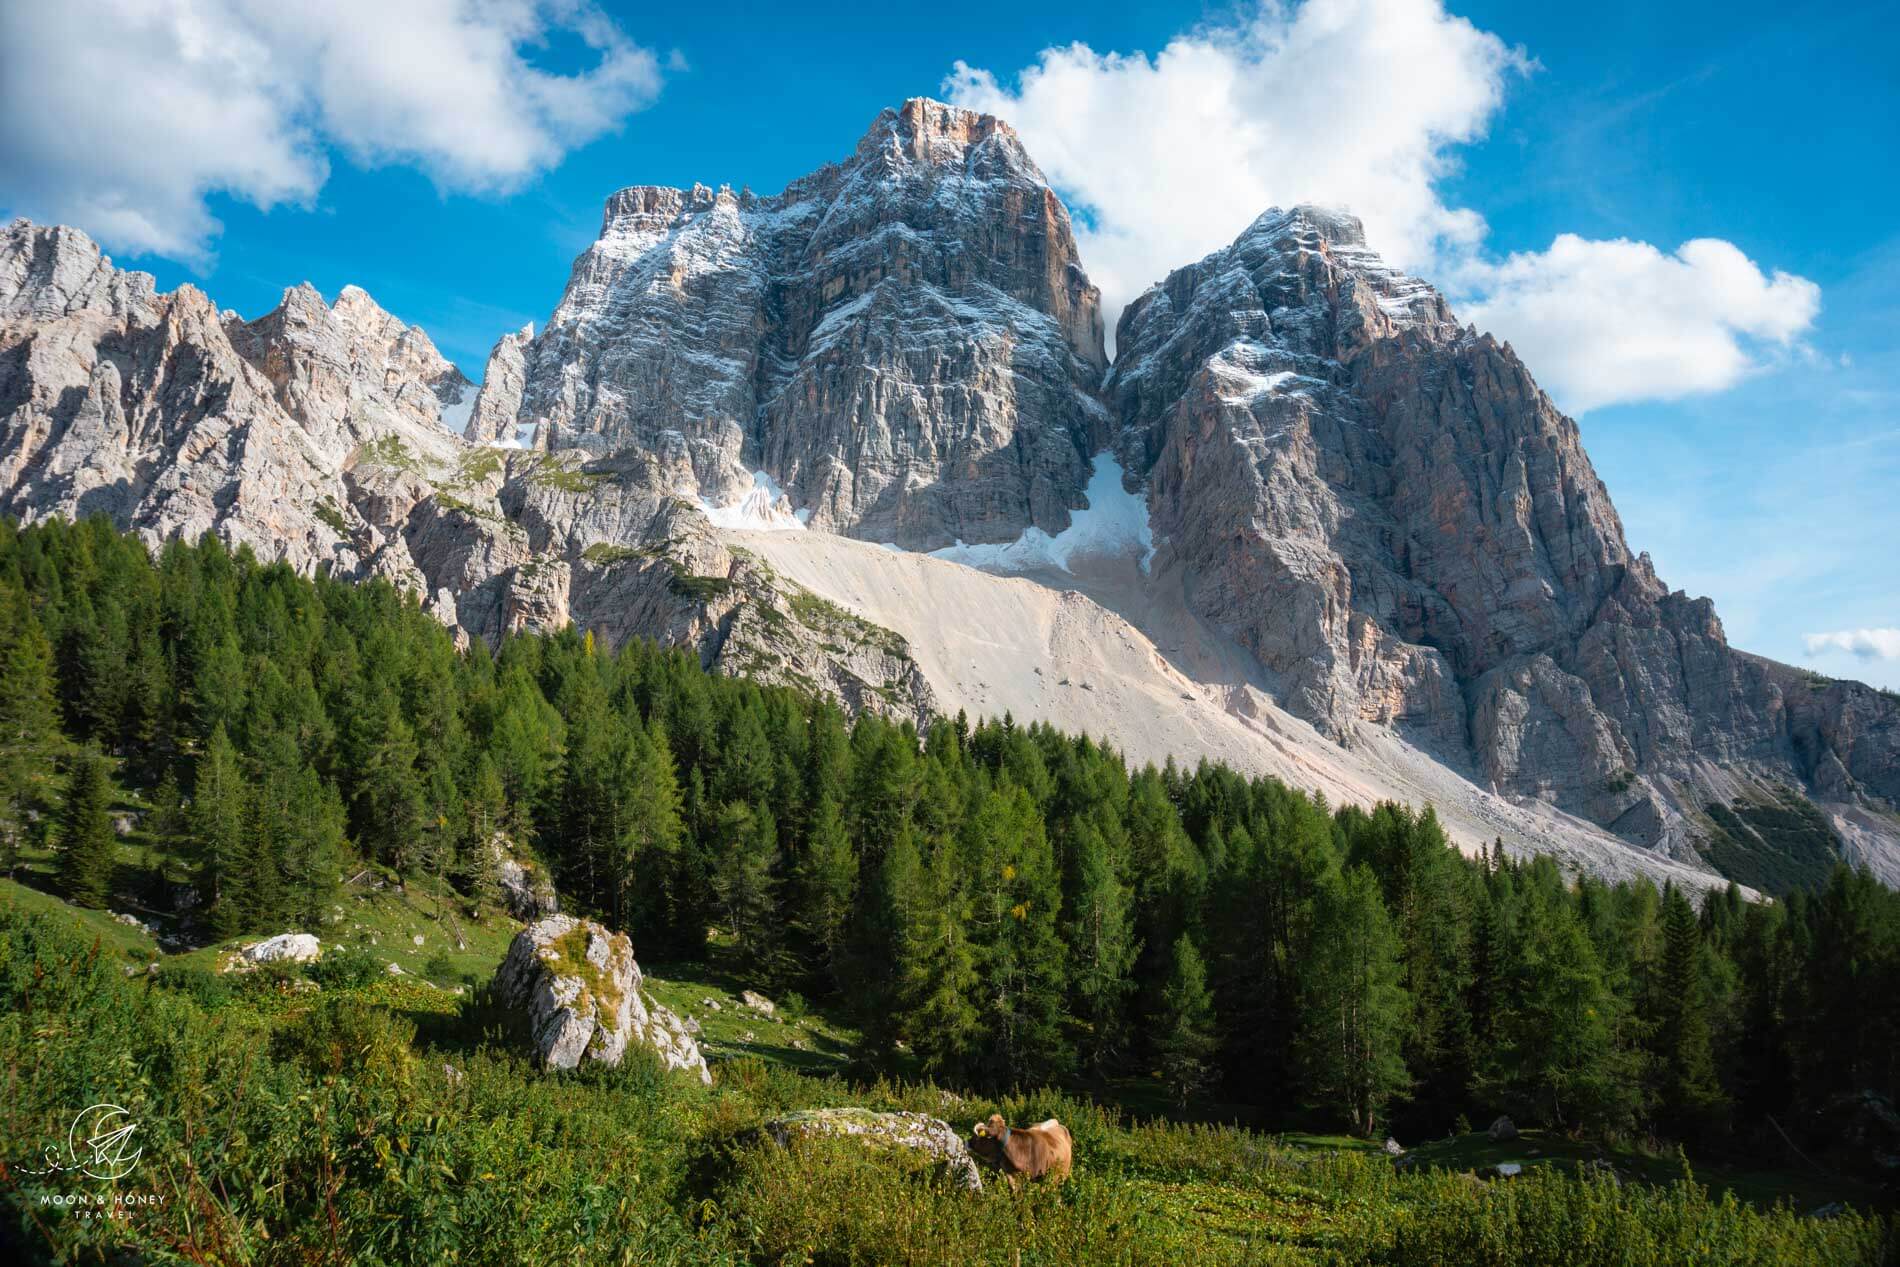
(1114, 522)
(764, 507)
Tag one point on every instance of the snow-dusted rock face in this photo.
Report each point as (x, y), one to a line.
(1300, 446)
(904, 340)
(492, 419)
(177, 420)
(1383, 507)
(581, 990)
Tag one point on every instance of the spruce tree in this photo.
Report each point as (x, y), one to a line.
(939, 988)
(650, 820)
(29, 721)
(825, 883)
(216, 819)
(87, 848)
(1690, 1093)
(1103, 947)
(745, 887)
(1355, 1008)
(1016, 901)
(1185, 1040)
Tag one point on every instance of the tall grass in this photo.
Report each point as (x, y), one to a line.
(288, 1127)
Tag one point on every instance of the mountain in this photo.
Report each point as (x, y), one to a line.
(1383, 508)
(905, 340)
(1305, 521)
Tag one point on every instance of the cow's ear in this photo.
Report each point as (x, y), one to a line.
(978, 1128)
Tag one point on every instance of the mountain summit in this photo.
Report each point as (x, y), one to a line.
(1364, 550)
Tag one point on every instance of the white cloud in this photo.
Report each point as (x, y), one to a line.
(1864, 644)
(1356, 103)
(120, 116)
(1605, 322)
(1363, 104)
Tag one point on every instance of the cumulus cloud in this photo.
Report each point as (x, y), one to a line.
(120, 116)
(1864, 644)
(1364, 104)
(1604, 322)
(1356, 103)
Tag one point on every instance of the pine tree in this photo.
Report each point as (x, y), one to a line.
(825, 883)
(29, 721)
(1355, 1005)
(217, 821)
(88, 849)
(1103, 948)
(1690, 1093)
(1185, 1040)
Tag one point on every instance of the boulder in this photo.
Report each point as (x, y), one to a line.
(581, 989)
(1502, 1129)
(757, 1002)
(525, 889)
(916, 1132)
(284, 948)
(1392, 1147)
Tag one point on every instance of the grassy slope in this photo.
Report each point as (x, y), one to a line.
(1198, 1193)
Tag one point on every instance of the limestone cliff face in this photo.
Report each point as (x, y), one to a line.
(904, 340)
(332, 436)
(1385, 509)
(1376, 503)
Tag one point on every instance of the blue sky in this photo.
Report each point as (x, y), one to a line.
(455, 170)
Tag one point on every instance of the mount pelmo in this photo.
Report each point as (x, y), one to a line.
(1305, 521)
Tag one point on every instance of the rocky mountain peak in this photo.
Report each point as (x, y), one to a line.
(931, 132)
(49, 271)
(904, 341)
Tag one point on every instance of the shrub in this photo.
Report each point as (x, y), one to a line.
(346, 968)
(345, 1035)
(208, 989)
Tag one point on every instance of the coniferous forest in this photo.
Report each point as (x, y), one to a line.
(1007, 903)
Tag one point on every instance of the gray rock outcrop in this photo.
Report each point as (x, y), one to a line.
(582, 994)
(284, 948)
(1382, 506)
(917, 1133)
(526, 890)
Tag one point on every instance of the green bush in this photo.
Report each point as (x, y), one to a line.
(346, 1035)
(208, 989)
(346, 968)
(1551, 1219)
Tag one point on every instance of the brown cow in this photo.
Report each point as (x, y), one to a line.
(1044, 1150)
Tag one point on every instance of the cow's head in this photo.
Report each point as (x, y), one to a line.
(987, 1139)
(995, 1128)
